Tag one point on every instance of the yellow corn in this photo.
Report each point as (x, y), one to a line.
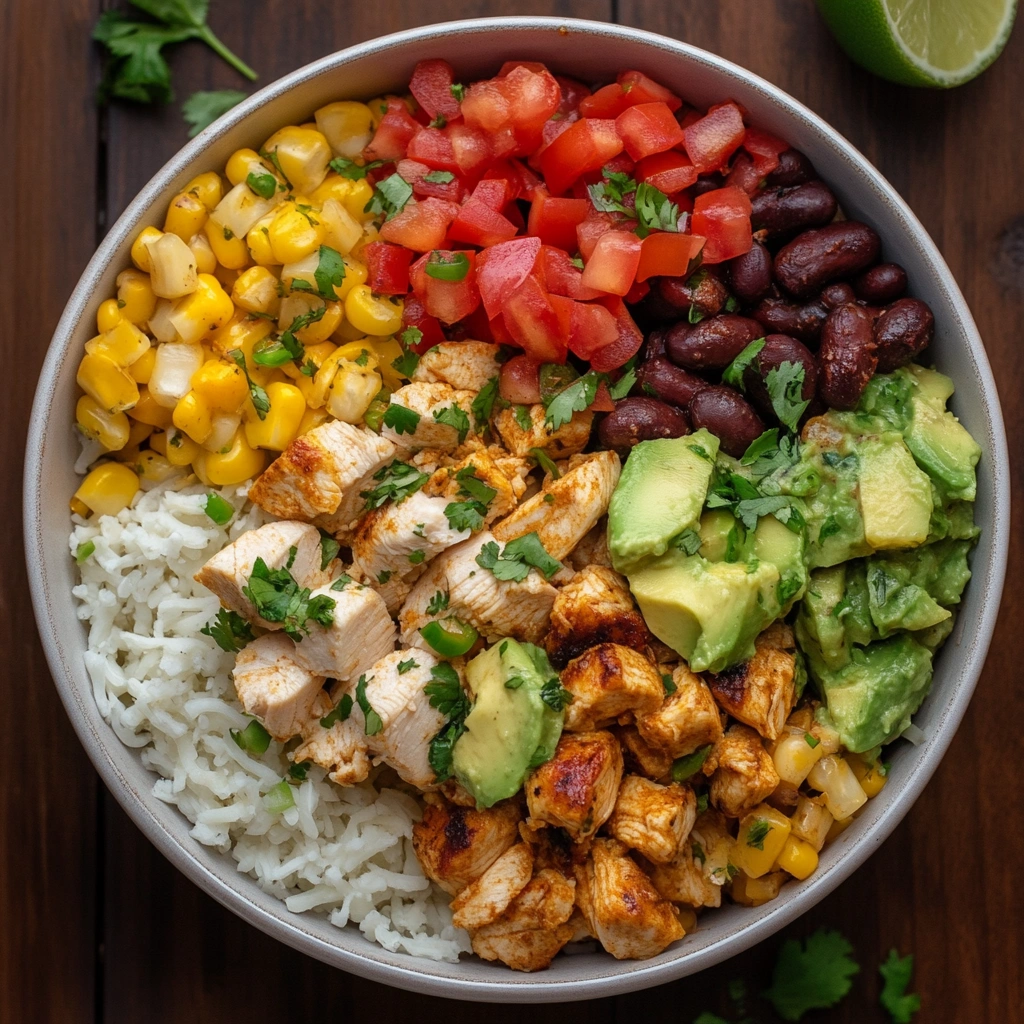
(135, 296)
(834, 778)
(258, 243)
(353, 195)
(225, 426)
(378, 107)
(181, 450)
(346, 332)
(221, 385)
(256, 291)
(302, 154)
(138, 432)
(230, 250)
(811, 820)
(762, 835)
(206, 309)
(386, 351)
(157, 440)
(347, 126)
(111, 429)
(78, 508)
(294, 232)
(154, 467)
(206, 261)
(319, 330)
(312, 418)
(173, 267)
(108, 315)
(872, 777)
(370, 234)
(207, 188)
(242, 207)
(193, 415)
(373, 314)
(172, 372)
(341, 230)
(281, 425)
(243, 334)
(244, 162)
(351, 392)
(105, 382)
(148, 410)
(226, 277)
(239, 463)
(753, 892)
(142, 369)
(794, 757)
(123, 344)
(798, 858)
(355, 275)
(185, 216)
(140, 248)
(108, 488)
(316, 354)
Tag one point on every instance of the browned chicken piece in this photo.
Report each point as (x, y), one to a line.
(594, 607)
(569, 439)
(552, 847)
(682, 880)
(576, 789)
(463, 365)
(623, 909)
(592, 550)
(652, 819)
(760, 692)
(486, 898)
(686, 720)
(456, 845)
(607, 681)
(640, 757)
(341, 748)
(534, 927)
(504, 474)
(454, 791)
(744, 773)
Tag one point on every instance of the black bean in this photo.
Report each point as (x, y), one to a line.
(794, 169)
(903, 331)
(729, 416)
(750, 275)
(712, 344)
(640, 419)
(881, 284)
(821, 255)
(848, 358)
(659, 378)
(782, 212)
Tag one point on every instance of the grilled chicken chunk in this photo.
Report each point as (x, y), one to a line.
(456, 845)
(576, 789)
(503, 474)
(744, 773)
(273, 687)
(463, 365)
(651, 819)
(322, 472)
(594, 607)
(566, 509)
(487, 898)
(229, 570)
(608, 681)
(622, 907)
(640, 757)
(592, 549)
(569, 439)
(760, 692)
(362, 633)
(497, 608)
(428, 402)
(340, 748)
(686, 720)
(682, 880)
(534, 927)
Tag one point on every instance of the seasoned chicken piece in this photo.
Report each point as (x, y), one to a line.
(229, 570)
(760, 692)
(744, 773)
(651, 819)
(362, 633)
(464, 365)
(322, 472)
(496, 608)
(566, 509)
(682, 880)
(273, 687)
(595, 607)
(456, 845)
(397, 540)
(569, 439)
(552, 847)
(393, 591)
(340, 748)
(506, 476)
(640, 756)
(623, 909)
(534, 927)
(712, 844)
(592, 549)
(607, 681)
(576, 789)
(686, 720)
(428, 402)
(487, 898)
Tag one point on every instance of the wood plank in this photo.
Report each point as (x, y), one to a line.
(48, 796)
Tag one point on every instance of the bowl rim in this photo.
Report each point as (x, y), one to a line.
(266, 911)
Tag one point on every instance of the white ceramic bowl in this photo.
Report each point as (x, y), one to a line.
(590, 51)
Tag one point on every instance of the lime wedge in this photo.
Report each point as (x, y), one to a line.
(938, 43)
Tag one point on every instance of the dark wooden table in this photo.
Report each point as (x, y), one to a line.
(94, 924)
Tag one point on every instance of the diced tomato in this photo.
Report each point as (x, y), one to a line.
(608, 101)
(499, 332)
(573, 93)
(687, 117)
(387, 268)
(530, 65)
(519, 380)
(475, 327)
(586, 145)
(486, 106)
(648, 128)
(744, 175)
(470, 147)
(668, 172)
(415, 315)
(641, 89)
(562, 276)
(722, 216)
(548, 133)
(590, 230)
(591, 327)
(431, 84)
(479, 224)
(494, 193)
(502, 268)
(515, 216)
(554, 220)
(393, 134)
(420, 226)
(538, 321)
(764, 149)
(433, 147)
(449, 301)
(612, 265)
(417, 175)
(714, 138)
(529, 183)
(625, 346)
(602, 400)
(621, 164)
(534, 95)
(520, 102)
(638, 292)
(508, 172)
(667, 254)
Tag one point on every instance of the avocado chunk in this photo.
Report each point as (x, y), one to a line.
(895, 495)
(659, 495)
(510, 730)
(896, 603)
(722, 537)
(819, 615)
(834, 521)
(944, 449)
(784, 548)
(708, 612)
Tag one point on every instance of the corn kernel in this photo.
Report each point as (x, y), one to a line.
(108, 488)
(316, 354)
(78, 508)
(172, 372)
(386, 351)
(872, 777)
(347, 126)
(135, 296)
(240, 463)
(185, 216)
(341, 230)
(258, 243)
(753, 892)
(148, 410)
(687, 918)
(108, 316)
(243, 335)
(241, 208)
(225, 426)
(122, 344)
(138, 432)
(798, 858)
(353, 195)
(157, 440)
(207, 188)
(244, 162)
(834, 778)
(160, 325)
(811, 820)
(762, 835)
(230, 250)
(378, 107)
(351, 392)
(111, 429)
(194, 417)
(281, 425)
(172, 267)
(312, 418)
(154, 467)
(104, 381)
(180, 450)
(302, 154)
(294, 233)
(206, 309)
(142, 369)
(837, 828)
(794, 757)
(370, 234)
(256, 291)
(140, 248)
(373, 314)
(221, 385)
(206, 261)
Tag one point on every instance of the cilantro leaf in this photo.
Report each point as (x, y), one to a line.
(416, 557)
(577, 397)
(812, 975)
(329, 549)
(483, 404)
(230, 630)
(688, 541)
(668, 683)
(397, 481)
(689, 764)
(389, 197)
(608, 195)
(455, 417)
(264, 185)
(624, 384)
(465, 515)
(785, 385)
(523, 418)
(554, 378)
(373, 722)
(260, 400)
(438, 603)
(300, 770)
(473, 487)
(545, 462)
(400, 419)
(733, 373)
(202, 108)
(407, 362)
(654, 210)
(340, 712)
(519, 555)
(439, 177)
(458, 90)
(490, 558)
(277, 597)
(447, 696)
(406, 666)
(329, 273)
(897, 972)
(351, 170)
(555, 695)
(758, 832)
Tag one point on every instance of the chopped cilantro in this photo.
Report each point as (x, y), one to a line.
(438, 603)
(373, 722)
(329, 273)
(439, 177)
(785, 385)
(465, 515)
(407, 362)
(669, 683)
(405, 666)
(473, 487)
(416, 557)
(260, 401)
(457, 90)
(625, 383)
(300, 770)
(483, 404)
(389, 197)
(397, 481)
(340, 713)
(350, 169)
(230, 630)
(523, 417)
(688, 541)
(555, 695)
(545, 462)
(341, 582)
(577, 397)
(812, 975)
(654, 211)
(384, 575)
(758, 832)
(896, 972)
(455, 417)
(518, 556)
(689, 764)
(733, 373)
(329, 549)
(277, 597)
(447, 696)
(400, 419)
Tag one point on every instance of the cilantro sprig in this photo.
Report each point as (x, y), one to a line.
(896, 973)
(203, 107)
(447, 696)
(229, 630)
(389, 197)
(259, 397)
(277, 597)
(519, 555)
(812, 975)
(396, 481)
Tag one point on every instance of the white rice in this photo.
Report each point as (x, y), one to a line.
(166, 688)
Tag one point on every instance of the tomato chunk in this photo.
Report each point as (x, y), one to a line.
(431, 84)
(415, 315)
(627, 343)
(667, 254)
(608, 101)
(502, 268)
(470, 147)
(449, 301)
(479, 224)
(562, 276)
(591, 229)
(424, 181)
(648, 128)
(554, 220)
(420, 226)
(641, 89)
(573, 93)
(585, 146)
(393, 134)
(538, 321)
(712, 139)
(591, 327)
(764, 149)
(432, 147)
(387, 268)
(613, 264)
(668, 172)
(513, 107)
(722, 216)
